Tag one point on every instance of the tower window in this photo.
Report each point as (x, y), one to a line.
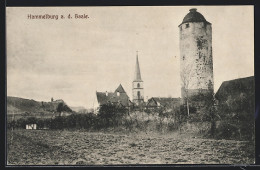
(138, 94)
(187, 25)
(183, 58)
(138, 85)
(204, 25)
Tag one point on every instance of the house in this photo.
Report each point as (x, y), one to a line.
(118, 97)
(62, 113)
(235, 104)
(235, 88)
(232, 92)
(31, 126)
(163, 102)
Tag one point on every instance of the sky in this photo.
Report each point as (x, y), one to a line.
(71, 59)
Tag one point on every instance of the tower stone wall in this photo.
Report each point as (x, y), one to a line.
(196, 60)
(138, 89)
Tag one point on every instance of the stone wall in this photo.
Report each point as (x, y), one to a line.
(196, 55)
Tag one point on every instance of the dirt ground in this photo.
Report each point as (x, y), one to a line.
(47, 147)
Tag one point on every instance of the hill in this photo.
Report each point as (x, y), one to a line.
(78, 108)
(16, 105)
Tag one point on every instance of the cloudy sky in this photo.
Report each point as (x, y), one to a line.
(71, 59)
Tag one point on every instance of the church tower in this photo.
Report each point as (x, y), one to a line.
(138, 90)
(196, 62)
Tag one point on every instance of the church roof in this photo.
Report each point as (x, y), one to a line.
(103, 97)
(137, 76)
(122, 98)
(120, 89)
(113, 97)
(194, 16)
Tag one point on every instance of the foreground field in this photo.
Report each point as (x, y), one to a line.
(46, 147)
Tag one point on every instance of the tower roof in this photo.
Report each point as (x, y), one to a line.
(137, 76)
(120, 89)
(194, 16)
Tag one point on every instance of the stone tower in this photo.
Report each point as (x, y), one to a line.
(196, 61)
(138, 90)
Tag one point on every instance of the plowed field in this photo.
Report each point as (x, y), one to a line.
(46, 147)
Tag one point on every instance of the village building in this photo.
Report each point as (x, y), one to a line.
(167, 103)
(118, 98)
(62, 113)
(196, 63)
(235, 101)
(32, 126)
(235, 91)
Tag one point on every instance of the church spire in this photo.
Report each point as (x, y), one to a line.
(138, 87)
(137, 76)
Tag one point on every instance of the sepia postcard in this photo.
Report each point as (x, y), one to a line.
(130, 85)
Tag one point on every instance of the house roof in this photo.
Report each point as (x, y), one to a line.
(194, 16)
(120, 89)
(236, 86)
(163, 101)
(122, 98)
(113, 97)
(103, 97)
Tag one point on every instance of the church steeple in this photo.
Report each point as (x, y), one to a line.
(138, 90)
(137, 76)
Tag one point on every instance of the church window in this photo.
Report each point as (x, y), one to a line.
(118, 94)
(138, 85)
(187, 25)
(183, 58)
(138, 94)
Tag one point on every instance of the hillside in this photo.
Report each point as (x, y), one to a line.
(18, 105)
(78, 108)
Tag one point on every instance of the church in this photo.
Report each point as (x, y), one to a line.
(137, 85)
(119, 97)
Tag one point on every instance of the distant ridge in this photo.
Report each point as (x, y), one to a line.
(17, 105)
(78, 108)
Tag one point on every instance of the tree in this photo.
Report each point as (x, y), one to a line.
(162, 114)
(237, 113)
(111, 114)
(63, 108)
(207, 107)
(60, 108)
(186, 76)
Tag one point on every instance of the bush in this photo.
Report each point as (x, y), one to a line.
(111, 116)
